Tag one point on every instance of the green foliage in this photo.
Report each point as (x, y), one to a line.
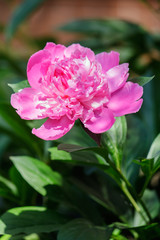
(20, 85)
(141, 80)
(20, 14)
(74, 188)
(80, 229)
(152, 204)
(10, 123)
(44, 176)
(29, 220)
(114, 139)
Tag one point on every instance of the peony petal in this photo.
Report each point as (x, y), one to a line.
(117, 76)
(126, 100)
(39, 62)
(34, 67)
(77, 51)
(26, 102)
(101, 122)
(53, 129)
(56, 51)
(108, 60)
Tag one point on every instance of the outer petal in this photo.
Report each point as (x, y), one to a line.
(117, 76)
(101, 122)
(26, 102)
(126, 100)
(53, 129)
(108, 60)
(77, 51)
(35, 67)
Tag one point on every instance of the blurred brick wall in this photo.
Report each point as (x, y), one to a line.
(53, 13)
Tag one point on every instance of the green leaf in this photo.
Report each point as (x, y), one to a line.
(156, 164)
(81, 229)
(86, 154)
(146, 166)
(29, 220)
(9, 185)
(115, 138)
(20, 14)
(141, 80)
(154, 152)
(78, 136)
(98, 27)
(91, 156)
(6, 194)
(71, 147)
(78, 155)
(32, 236)
(11, 123)
(16, 87)
(5, 237)
(151, 201)
(26, 194)
(136, 145)
(5, 141)
(36, 173)
(59, 154)
(150, 231)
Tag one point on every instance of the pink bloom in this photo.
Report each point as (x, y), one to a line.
(72, 82)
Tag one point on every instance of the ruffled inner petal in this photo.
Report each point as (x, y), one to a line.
(35, 67)
(77, 51)
(56, 51)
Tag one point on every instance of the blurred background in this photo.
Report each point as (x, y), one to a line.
(131, 27)
(46, 16)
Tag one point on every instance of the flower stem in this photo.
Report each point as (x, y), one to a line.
(125, 185)
(132, 200)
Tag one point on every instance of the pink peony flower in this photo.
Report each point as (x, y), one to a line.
(72, 82)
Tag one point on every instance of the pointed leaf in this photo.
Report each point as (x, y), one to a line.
(151, 201)
(36, 173)
(11, 123)
(154, 152)
(16, 87)
(81, 229)
(70, 147)
(141, 80)
(59, 154)
(77, 155)
(149, 231)
(146, 166)
(155, 148)
(20, 14)
(29, 220)
(156, 165)
(115, 138)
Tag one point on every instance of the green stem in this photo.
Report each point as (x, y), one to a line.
(127, 193)
(124, 185)
(136, 196)
(132, 200)
(146, 210)
(144, 187)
